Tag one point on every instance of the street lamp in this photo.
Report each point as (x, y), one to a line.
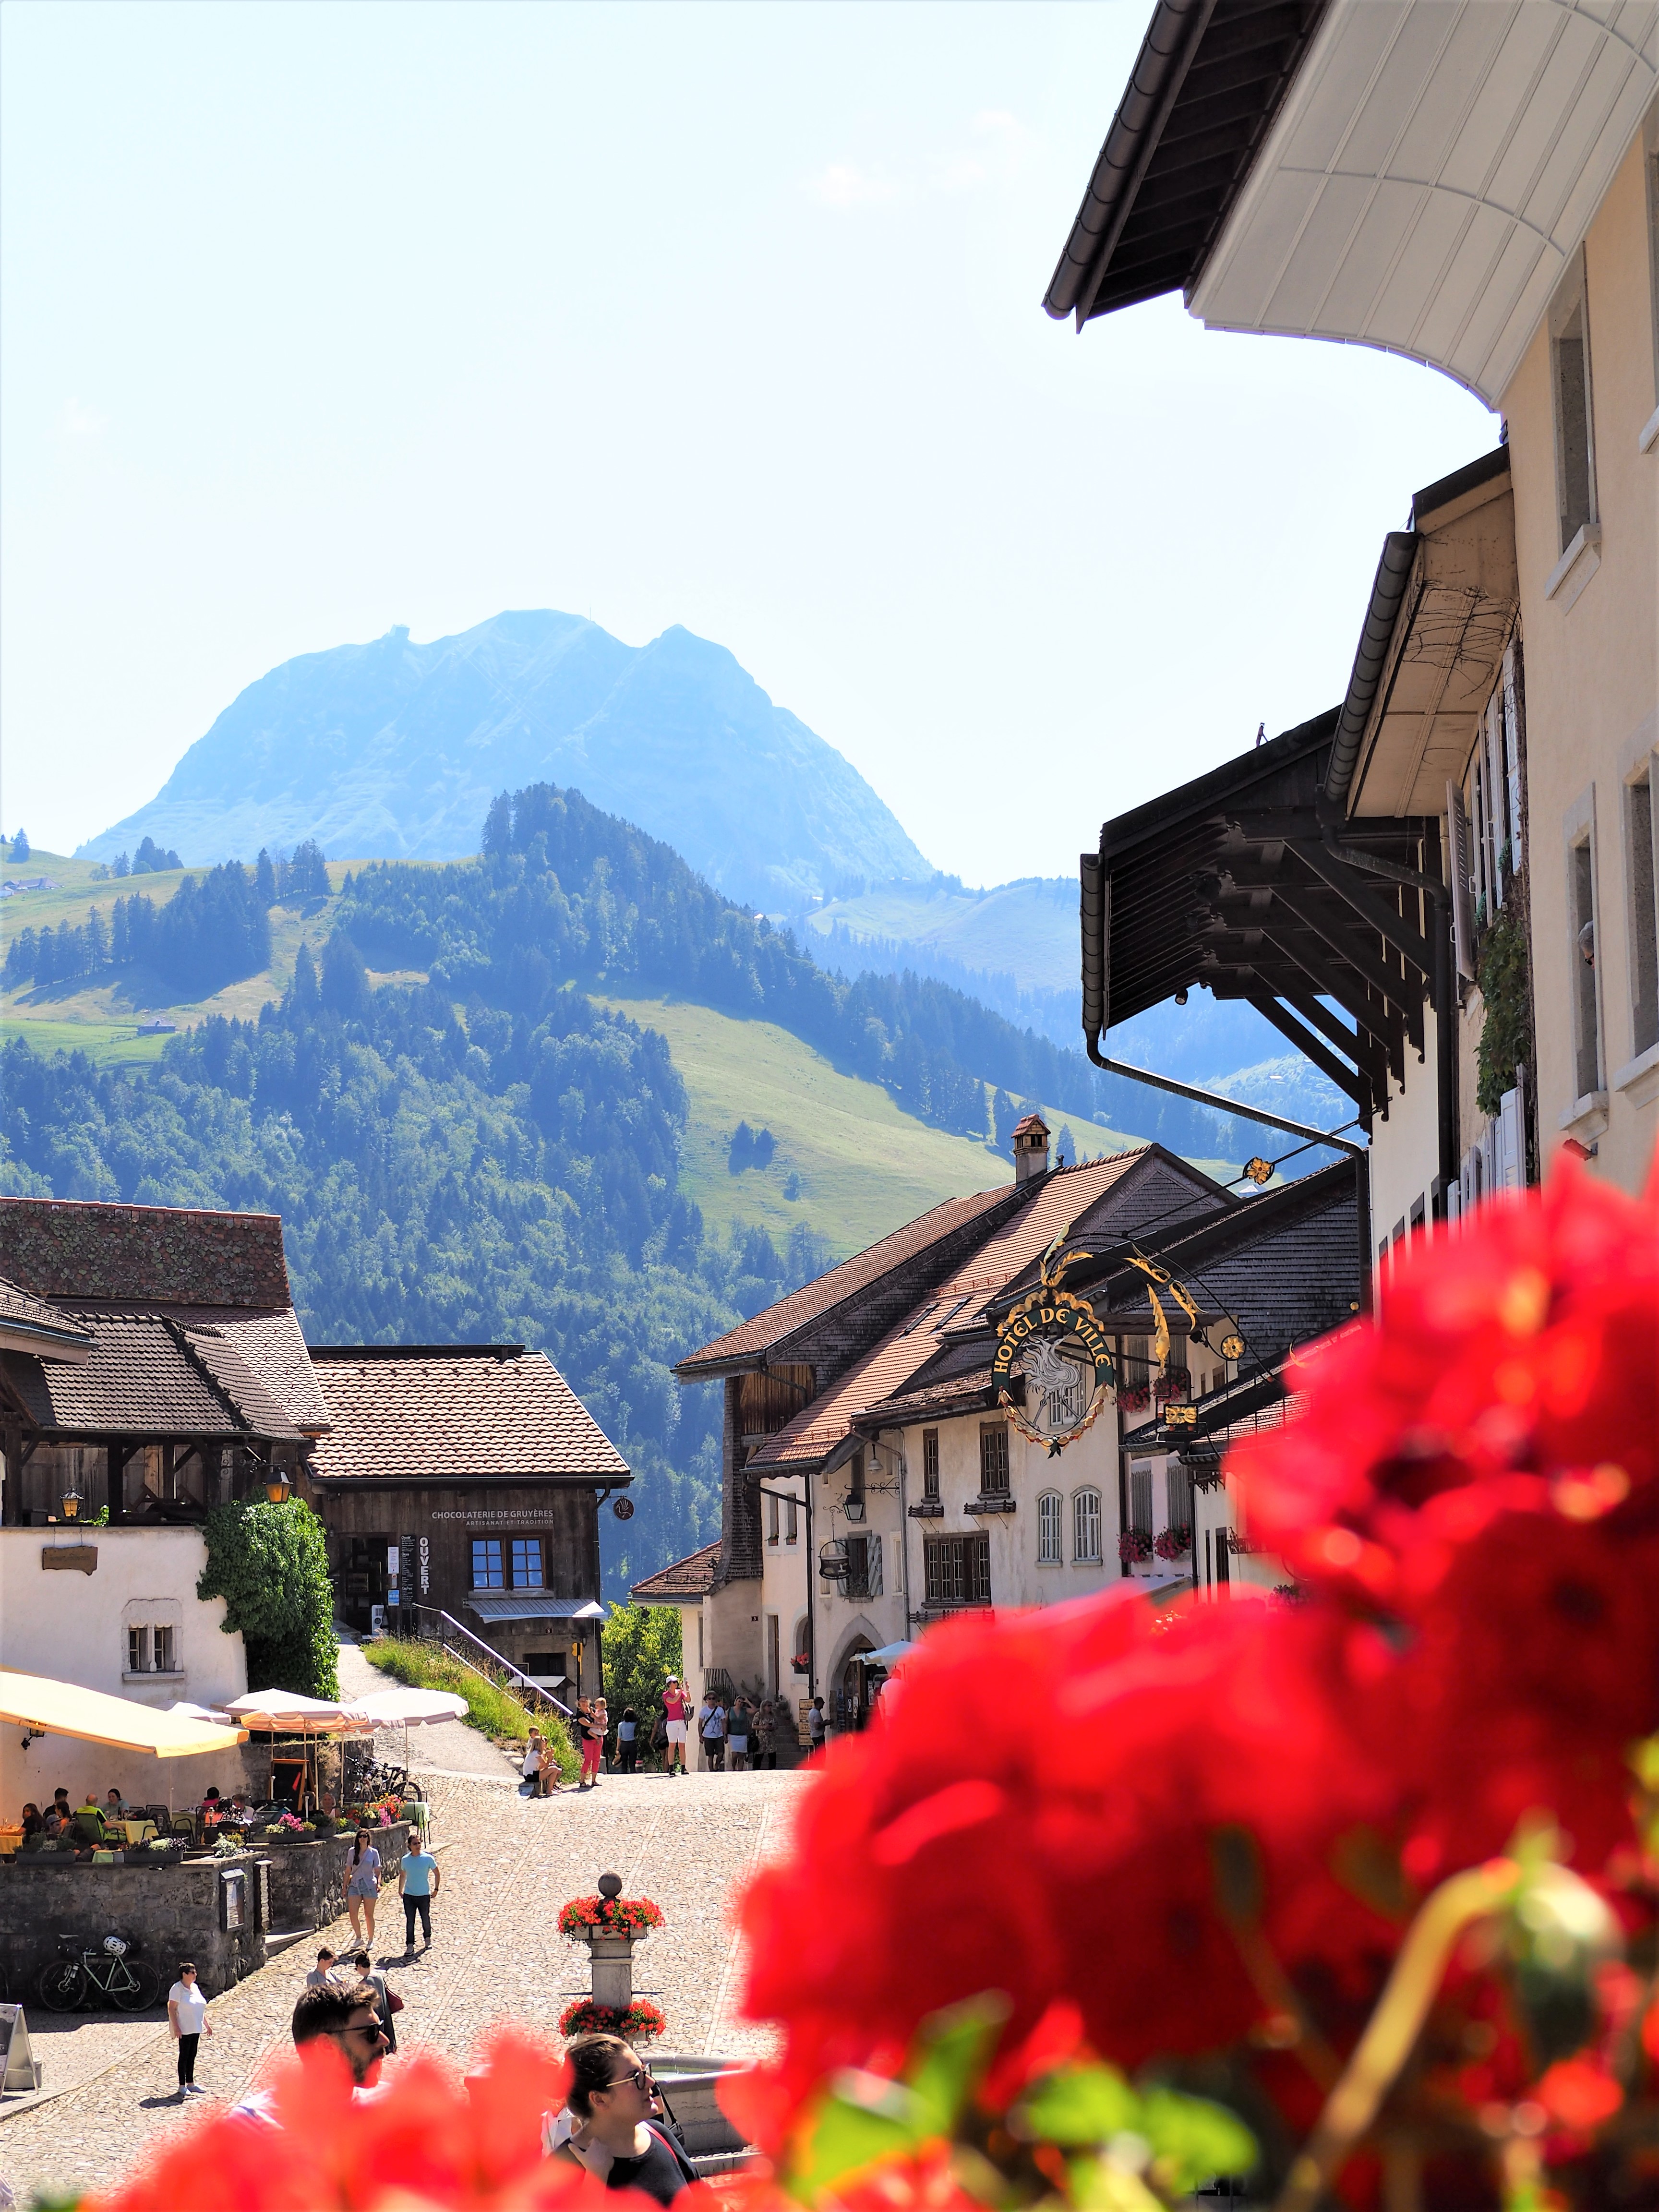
(276, 1487)
(71, 1502)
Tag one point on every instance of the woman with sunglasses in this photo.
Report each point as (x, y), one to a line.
(616, 2135)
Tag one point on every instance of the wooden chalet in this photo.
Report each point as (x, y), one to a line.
(465, 1479)
(152, 1362)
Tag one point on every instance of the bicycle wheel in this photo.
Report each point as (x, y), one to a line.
(134, 1986)
(60, 1984)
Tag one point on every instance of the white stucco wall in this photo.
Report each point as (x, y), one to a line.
(73, 1627)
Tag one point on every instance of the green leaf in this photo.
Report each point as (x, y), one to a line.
(1193, 2140)
(1079, 2106)
(863, 2119)
(949, 2056)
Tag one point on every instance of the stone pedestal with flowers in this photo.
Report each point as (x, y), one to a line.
(611, 1924)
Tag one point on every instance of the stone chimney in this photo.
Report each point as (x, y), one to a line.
(1031, 1148)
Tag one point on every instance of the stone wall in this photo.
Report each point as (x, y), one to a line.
(307, 1881)
(167, 1913)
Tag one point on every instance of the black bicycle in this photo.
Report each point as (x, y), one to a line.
(73, 1976)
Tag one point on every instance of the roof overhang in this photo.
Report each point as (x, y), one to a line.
(1416, 176)
(529, 1605)
(1442, 610)
(470, 1480)
(1240, 881)
(1431, 173)
(1205, 85)
(65, 1347)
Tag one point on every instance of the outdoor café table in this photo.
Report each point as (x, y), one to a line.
(11, 1839)
(131, 1831)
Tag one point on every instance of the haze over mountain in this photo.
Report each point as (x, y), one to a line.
(395, 749)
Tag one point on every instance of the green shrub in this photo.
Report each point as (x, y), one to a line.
(270, 1563)
(489, 1708)
(642, 1646)
(1506, 1033)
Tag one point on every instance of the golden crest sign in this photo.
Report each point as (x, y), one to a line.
(1052, 1340)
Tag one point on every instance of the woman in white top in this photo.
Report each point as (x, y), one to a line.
(187, 2017)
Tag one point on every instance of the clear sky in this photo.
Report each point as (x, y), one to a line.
(322, 318)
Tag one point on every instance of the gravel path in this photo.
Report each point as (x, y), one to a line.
(508, 1864)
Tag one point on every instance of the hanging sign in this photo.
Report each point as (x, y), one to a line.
(1053, 1339)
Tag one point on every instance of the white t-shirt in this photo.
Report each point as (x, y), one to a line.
(192, 2005)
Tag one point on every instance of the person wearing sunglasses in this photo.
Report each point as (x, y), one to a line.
(348, 2018)
(616, 2133)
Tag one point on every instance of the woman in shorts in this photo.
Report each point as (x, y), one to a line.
(676, 1711)
(363, 1886)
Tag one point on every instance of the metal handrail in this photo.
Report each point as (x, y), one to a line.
(520, 1681)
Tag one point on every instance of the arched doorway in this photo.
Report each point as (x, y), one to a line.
(850, 1705)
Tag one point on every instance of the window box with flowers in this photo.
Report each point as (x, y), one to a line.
(1133, 1547)
(1173, 1543)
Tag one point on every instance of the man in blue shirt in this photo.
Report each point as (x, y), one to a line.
(419, 1877)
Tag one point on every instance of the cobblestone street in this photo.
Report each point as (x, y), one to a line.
(508, 1864)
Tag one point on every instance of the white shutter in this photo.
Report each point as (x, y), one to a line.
(1497, 806)
(1457, 826)
(1512, 748)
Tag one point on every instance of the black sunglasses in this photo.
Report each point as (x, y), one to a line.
(641, 2077)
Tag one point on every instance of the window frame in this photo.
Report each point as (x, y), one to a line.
(994, 1475)
(1051, 1528)
(773, 1515)
(525, 1546)
(1087, 1505)
(1570, 305)
(1584, 881)
(1641, 841)
(930, 1466)
(792, 1522)
(484, 1544)
(970, 1556)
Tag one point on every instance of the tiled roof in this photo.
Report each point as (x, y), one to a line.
(753, 1338)
(147, 1374)
(1284, 1265)
(455, 1415)
(31, 1317)
(958, 1304)
(691, 1577)
(946, 1390)
(271, 1343)
(155, 1254)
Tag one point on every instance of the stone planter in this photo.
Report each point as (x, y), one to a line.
(612, 1960)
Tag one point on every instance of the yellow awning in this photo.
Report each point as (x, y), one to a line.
(65, 1709)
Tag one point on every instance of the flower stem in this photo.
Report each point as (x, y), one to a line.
(1394, 2026)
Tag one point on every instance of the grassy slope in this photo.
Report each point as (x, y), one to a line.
(98, 1016)
(865, 1167)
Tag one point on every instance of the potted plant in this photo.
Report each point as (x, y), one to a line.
(1173, 1543)
(636, 2021)
(1134, 1545)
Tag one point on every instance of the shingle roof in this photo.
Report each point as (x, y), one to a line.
(43, 1326)
(460, 1414)
(269, 1340)
(155, 1254)
(958, 1304)
(691, 1577)
(147, 1374)
(750, 1339)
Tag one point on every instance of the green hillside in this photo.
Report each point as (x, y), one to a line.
(863, 1166)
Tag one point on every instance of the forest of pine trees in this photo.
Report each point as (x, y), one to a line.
(213, 931)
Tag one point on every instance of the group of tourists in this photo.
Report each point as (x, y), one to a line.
(737, 1732)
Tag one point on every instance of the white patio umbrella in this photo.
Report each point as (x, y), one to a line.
(286, 1712)
(407, 1707)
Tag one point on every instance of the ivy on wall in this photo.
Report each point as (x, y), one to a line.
(1506, 1037)
(270, 1563)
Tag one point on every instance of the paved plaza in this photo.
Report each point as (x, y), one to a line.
(508, 1864)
